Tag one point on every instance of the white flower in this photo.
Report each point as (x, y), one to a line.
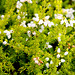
(67, 24)
(62, 60)
(18, 17)
(36, 15)
(59, 63)
(47, 65)
(26, 39)
(69, 12)
(5, 31)
(8, 33)
(2, 16)
(45, 23)
(47, 43)
(58, 56)
(29, 33)
(36, 61)
(57, 72)
(11, 31)
(66, 53)
(47, 17)
(50, 23)
(4, 42)
(31, 24)
(40, 30)
(59, 39)
(48, 33)
(51, 62)
(40, 22)
(34, 33)
(18, 5)
(9, 36)
(22, 0)
(29, 1)
(36, 18)
(0, 32)
(58, 50)
(59, 34)
(23, 24)
(58, 16)
(49, 46)
(17, 10)
(42, 27)
(62, 21)
(47, 59)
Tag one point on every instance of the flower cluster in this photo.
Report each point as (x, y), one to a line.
(37, 61)
(8, 33)
(47, 64)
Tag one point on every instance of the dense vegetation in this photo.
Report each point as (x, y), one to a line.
(37, 37)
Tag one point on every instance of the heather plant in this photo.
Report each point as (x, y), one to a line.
(37, 37)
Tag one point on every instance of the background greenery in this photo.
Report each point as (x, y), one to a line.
(16, 58)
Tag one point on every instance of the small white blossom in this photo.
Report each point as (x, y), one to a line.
(36, 18)
(5, 31)
(62, 21)
(58, 16)
(58, 56)
(2, 16)
(59, 39)
(59, 63)
(23, 24)
(49, 46)
(58, 50)
(42, 27)
(4, 42)
(62, 60)
(51, 62)
(18, 17)
(26, 39)
(59, 34)
(57, 72)
(34, 33)
(66, 53)
(0, 32)
(9, 36)
(11, 31)
(17, 10)
(31, 24)
(22, 0)
(29, 33)
(47, 43)
(47, 59)
(45, 23)
(36, 61)
(47, 65)
(48, 33)
(47, 17)
(40, 22)
(40, 30)
(18, 5)
(29, 1)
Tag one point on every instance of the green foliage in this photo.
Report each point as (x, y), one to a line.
(17, 56)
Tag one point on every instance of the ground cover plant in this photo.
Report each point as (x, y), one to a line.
(37, 37)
